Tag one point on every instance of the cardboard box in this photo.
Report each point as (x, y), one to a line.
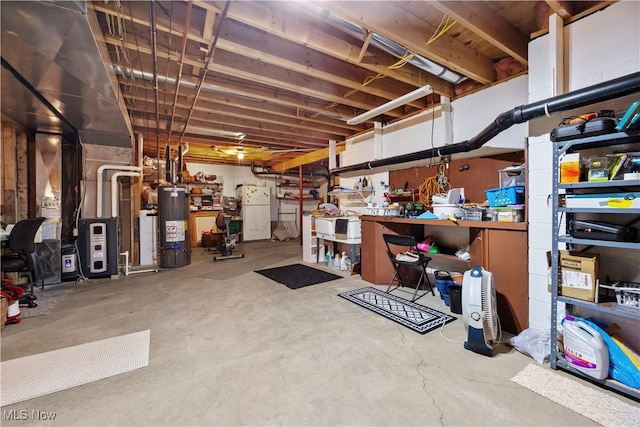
(579, 274)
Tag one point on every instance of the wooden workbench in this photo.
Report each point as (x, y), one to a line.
(499, 247)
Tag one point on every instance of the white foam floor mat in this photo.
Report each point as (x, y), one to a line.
(33, 376)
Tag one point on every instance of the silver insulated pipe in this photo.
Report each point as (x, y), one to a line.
(384, 44)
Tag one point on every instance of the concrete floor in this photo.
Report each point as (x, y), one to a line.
(230, 347)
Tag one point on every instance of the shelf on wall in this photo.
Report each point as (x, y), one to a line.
(352, 197)
(297, 198)
(609, 307)
(608, 383)
(295, 186)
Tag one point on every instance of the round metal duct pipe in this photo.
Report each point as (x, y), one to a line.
(605, 91)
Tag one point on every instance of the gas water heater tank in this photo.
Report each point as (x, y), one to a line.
(173, 218)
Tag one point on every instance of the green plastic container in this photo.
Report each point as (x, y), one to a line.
(235, 226)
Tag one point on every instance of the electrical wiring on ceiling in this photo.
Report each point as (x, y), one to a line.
(397, 65)
(444, 26)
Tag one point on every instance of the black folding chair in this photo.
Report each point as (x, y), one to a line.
(21, 259)
(405, 256)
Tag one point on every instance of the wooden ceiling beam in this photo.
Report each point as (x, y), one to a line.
(327, 44)
(486, 23)
(306, 159)
(302, 60)
(365, 46)
(390, 20)
(290, 115)
(279, 80)
(233, 108)
(564, 9)
(142, 18)
(273, 77)
(256, 134)
(205, 106)
(254, 91)
(283, 144)
(260, 134)
(270, 18)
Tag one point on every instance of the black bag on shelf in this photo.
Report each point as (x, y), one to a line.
(602, 231)
(593, 127)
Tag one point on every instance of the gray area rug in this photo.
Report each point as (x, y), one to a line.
(414, 316)
(577, 396)
(47, 299)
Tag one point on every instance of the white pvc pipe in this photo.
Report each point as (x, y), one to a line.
(140, 150)
(127, 269)
(114, 190)
(100, 190)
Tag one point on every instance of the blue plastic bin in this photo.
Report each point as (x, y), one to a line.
(443, 287)
(504, 196)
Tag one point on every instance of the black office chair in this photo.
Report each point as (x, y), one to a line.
(22, 259)
(406, 257)
(223, 222)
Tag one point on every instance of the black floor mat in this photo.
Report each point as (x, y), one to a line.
(296, 276)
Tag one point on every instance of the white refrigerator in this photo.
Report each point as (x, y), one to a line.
(256, 212)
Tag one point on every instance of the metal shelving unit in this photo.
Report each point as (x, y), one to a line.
(611, 141)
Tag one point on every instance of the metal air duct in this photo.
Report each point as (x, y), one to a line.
(611, 89)
(384, 44)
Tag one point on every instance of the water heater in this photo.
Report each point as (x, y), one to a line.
(173, 217)
(98, 246)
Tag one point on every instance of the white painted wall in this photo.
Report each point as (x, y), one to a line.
(473, 113)
(600, 47)
(540, 231)
(469, 115)
(232, 176)
(379, 182)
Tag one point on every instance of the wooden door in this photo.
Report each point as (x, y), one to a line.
(506, 259)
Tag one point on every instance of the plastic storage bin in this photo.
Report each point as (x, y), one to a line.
(473, 214)
(504, 196)
(508, 213)
(443, 278)
(627, 293)
(455, 296)
(235, 226)
(511, 176)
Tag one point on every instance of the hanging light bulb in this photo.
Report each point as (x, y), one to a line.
(240, 155)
